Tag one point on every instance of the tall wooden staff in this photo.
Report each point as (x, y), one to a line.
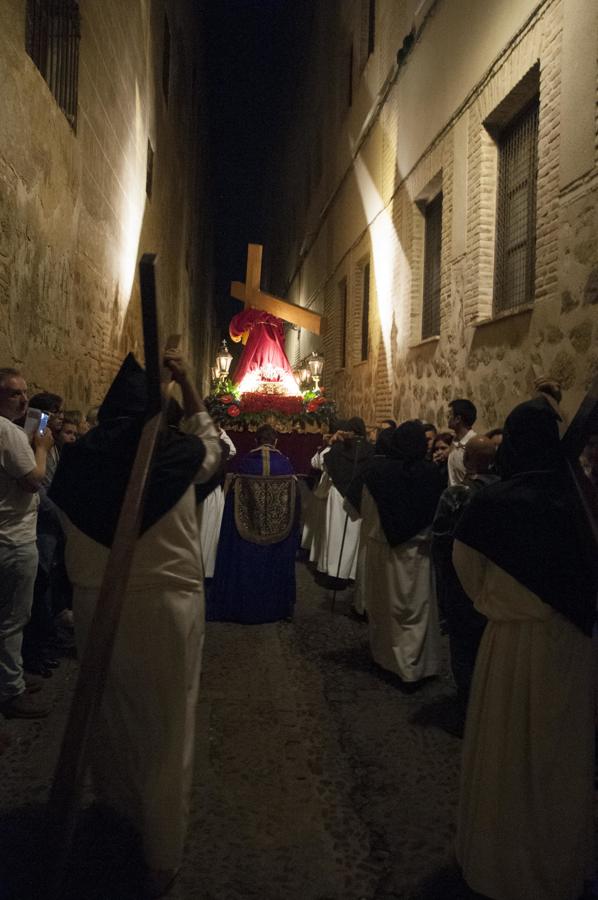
(73, 761)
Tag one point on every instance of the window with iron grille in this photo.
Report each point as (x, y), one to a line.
(367, 32)
(342, 306)
(432, 259)
(365, 311)
(166, 60)
(371, 25)
(516, 211)
(52, 40)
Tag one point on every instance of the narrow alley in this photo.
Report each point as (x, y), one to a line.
(317, 776)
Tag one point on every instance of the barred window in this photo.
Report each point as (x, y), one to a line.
(432, 260)
(166, 59)
(365, 311)
(342, 307)
(516, 211)
(368, 32)
(52, 40)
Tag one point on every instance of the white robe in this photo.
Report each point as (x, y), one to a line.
(210, 513)
(525, 822)
(339, 545)
(401, 600)
(314, 529)
(142, 746)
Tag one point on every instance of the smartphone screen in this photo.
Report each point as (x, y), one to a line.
(43, 421)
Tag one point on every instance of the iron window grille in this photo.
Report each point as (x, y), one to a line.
(342, 297)
(166, 60)
(52, 39)
(365, 311)
(432, 268)
(516, 211)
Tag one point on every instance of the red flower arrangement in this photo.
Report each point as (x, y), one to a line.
(274, 403)
(315, 404)
(233, 411)
(226, 398)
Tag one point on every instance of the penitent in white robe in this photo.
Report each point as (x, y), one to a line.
(401, 600)
(525, 822)
(142, 748)
(210, 512)
(339, 544)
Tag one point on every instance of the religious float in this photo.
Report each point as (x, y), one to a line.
(263, 388)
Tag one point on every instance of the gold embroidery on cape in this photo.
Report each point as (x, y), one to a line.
(264, 507)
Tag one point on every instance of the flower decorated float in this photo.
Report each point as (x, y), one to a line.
(263, 388)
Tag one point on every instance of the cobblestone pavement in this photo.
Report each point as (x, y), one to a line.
(318, 777)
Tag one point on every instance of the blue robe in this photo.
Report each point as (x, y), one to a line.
(254, 583)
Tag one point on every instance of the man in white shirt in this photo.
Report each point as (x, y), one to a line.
(22, 470)
(461, 417)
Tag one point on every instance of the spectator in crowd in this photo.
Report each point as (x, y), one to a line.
(495, 435)
(589, 459)
(461, 418)
(22, 470)
(69, 432)
(441, 447)
(431, 431)
(396, 498)
(254, 578)
(349, 452)
(465, 625)
(76, 416)
(523, 555)
(39, 637)
(91, 418)
(142, 751)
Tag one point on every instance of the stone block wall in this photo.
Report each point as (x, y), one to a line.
(424, 129)
(75, 216)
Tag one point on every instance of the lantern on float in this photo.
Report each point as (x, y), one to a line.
(315, 364)
(223, 360)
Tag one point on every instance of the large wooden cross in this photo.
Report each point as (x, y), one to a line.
(67, 788)
(252, 295)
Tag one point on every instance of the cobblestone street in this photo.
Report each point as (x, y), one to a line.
(317, 777)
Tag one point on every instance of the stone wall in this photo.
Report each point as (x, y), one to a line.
(74, 213)
(416, 126)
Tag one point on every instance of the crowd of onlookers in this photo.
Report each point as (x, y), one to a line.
(36, 623)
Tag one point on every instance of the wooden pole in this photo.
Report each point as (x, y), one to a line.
(69, 777)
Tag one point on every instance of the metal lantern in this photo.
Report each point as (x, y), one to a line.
(223, 360)
(303, 372)
(315, 363)
(214, 373)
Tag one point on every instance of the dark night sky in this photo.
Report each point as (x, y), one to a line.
(253, 49)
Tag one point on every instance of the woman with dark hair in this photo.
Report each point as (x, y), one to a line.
(396, 497)
(439, 452)
(524, 555)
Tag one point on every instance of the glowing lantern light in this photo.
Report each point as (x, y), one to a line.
(315, 363)
(223, 360)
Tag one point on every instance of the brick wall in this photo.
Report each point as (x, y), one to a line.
(372, 202)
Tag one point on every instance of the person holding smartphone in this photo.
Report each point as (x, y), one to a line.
(22, 470)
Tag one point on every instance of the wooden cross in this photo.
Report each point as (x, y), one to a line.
(73, 761)
(252, 295)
